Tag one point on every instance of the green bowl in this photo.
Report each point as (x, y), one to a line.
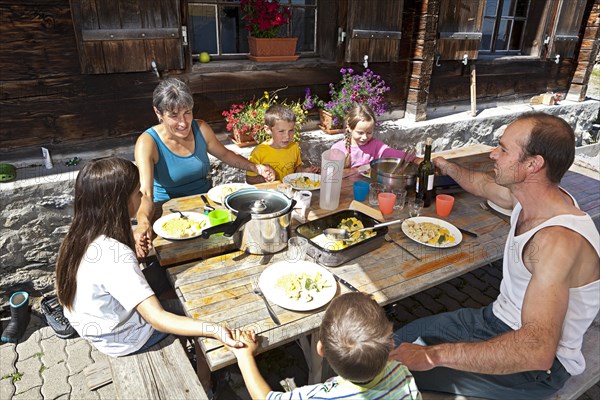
(8, 172)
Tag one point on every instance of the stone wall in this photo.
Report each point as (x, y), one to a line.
(35, 210)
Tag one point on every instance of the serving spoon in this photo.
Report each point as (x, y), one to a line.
(341, 233)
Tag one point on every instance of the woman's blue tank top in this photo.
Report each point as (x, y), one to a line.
(178, 176)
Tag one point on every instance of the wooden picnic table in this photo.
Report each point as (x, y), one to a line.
(219, 287)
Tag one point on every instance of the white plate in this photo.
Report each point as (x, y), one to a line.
(219, 192)
(497, 208)
(313, 177)
(158, 224)
(365, 170)
(451, 228)
(268, 280)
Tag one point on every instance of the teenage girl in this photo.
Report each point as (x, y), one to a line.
(99, 282)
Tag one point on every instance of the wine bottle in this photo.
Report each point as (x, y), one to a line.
(425, 175)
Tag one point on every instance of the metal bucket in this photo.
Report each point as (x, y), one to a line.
(381, 172)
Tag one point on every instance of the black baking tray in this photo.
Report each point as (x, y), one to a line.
(334, 258)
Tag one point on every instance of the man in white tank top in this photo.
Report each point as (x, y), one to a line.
(528, 342)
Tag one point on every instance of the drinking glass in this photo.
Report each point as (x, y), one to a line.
(414, 207)
(361, 190)
(297, 248)
(386, 202)
(374, 190)
(443, 204)
(400, 198)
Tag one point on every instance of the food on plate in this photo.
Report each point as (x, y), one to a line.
(304, 182)
(352, 225)
(427, 232)
(302, 287)
(228, 189)
(181, 228)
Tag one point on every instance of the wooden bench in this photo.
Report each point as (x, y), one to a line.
(576, 385)
(161, 372)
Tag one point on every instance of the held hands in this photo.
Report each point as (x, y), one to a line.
(143, 241)
(266, 172)
(414, 356)
(248, 340)
(227, 337)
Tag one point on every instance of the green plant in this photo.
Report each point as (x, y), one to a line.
(367, 87)
(15, 376)
(263, 18)
(249, 118)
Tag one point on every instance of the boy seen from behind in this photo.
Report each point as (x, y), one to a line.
(356, 340)
(280, 152)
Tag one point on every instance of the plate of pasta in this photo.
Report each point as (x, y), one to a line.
(174, 227)
(219, 192)
(303, 180)
(298, 286)
(432, 232)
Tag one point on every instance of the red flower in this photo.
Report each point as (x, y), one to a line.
(264, 17)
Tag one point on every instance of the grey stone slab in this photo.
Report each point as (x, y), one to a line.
(7, 388)
(55, 382)
(53, 349)
(8, 356)
(30, 347)
(107, 392)
(79, 388)
(31, 378)
(78, 356)
(31, 394)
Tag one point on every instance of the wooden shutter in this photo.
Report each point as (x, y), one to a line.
(373, 29)
(565, 34)
(459, 29)
(126, 35)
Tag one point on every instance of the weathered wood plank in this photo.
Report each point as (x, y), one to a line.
(161, 372)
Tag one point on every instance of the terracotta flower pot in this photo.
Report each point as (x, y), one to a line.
(272, 49)
(241, 139)
(327, 125)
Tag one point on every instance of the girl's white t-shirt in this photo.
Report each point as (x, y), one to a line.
(110, 285)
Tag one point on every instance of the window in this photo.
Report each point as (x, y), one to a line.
(504, 26)
(216, 26)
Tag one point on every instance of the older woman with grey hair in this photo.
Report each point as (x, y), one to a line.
(172, 156)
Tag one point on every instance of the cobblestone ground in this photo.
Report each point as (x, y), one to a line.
(42, 366)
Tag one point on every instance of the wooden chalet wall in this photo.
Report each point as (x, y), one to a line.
(45, 99)
(504, 80)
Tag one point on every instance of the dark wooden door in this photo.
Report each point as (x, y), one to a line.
(127, 35)
(373, 29)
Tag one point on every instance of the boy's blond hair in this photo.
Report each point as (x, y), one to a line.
(277, 112)
(356, 336)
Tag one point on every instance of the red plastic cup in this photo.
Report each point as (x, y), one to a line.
(386, 202)
(443, 204)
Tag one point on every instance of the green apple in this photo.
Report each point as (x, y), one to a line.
(204, 57)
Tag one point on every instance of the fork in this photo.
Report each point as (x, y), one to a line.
(183, 216)
(389, 239)
(256, 290)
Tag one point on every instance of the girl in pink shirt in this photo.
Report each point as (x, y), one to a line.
(359, 145)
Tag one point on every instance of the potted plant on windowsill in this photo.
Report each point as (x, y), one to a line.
(263, 20)
(367, 87)
(246, 121)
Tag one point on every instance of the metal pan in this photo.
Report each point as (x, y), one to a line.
(334, 258)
